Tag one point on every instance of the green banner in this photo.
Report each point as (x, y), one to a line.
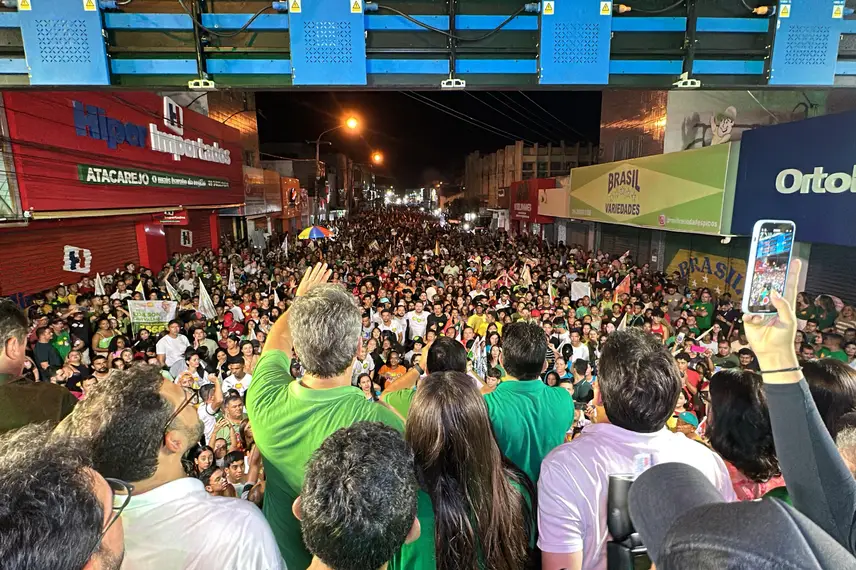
(119, 176)
(680, 191)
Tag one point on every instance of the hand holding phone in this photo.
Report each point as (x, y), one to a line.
(769, 263)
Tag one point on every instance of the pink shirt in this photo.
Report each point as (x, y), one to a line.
(575, 477)
(748, 490)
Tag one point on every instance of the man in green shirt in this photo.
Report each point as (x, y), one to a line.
(703, 310)
(832, 347)
(292, 419)
(529, 418)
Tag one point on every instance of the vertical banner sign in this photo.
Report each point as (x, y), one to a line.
(151, 315)
(186, 238)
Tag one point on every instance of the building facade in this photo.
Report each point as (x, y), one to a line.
(488, 177)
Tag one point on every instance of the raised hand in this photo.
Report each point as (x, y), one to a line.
(314, 276)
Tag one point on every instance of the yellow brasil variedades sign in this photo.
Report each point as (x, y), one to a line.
(719, 274)
(680, 191)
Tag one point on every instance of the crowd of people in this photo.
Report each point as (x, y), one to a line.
(406, 394)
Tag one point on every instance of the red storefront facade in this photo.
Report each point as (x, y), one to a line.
(523, 211)
(97, 173)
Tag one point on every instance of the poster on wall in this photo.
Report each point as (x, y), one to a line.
(697, 119)
(680, 192)
(151, 315)
(76, 259)
(186, 238)
(717, 273)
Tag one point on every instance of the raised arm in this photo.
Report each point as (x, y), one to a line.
(819, 483)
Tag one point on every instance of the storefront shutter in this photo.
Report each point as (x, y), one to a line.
(832, 271)
(577, 234)
(615, 240)
(32, 259)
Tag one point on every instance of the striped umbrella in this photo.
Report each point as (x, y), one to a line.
(314, 232)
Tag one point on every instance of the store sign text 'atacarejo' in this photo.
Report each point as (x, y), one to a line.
(93, 122)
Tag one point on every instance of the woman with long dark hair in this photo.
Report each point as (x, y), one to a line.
(475, 508)
(738, 428)
(832, 384)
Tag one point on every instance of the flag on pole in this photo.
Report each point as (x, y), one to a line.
(139, 288)
(622, 289)
(437, 248)
(285, 246)
(233, 288)
(351, 244)
(99, 285)
(171, 291)
(275, 297)
(623, 324)
(206, 305)
(550, 290)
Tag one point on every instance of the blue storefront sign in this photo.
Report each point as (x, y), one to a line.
(803, 171)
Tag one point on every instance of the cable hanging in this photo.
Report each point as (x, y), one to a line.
(557, 119)
(238, 32)
(659, 10)
(531, 128)
(504, 23)
(481, 124)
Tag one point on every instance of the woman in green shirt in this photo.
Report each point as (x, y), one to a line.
(825, 312)
(463, 477)
(804, 307)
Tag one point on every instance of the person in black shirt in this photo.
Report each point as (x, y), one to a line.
(438, 318)
(44, 352)
(78, 326)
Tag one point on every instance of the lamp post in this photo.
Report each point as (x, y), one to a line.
(350, 123)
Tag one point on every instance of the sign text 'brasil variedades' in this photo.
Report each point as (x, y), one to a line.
(681, 191)
(118, 176)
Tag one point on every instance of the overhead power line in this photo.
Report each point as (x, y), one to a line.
(463, 116)
(529, 127)
(557, 119)
(527, 114)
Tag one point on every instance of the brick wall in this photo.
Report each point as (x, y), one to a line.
(238, 110)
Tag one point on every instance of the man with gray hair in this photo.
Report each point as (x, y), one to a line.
(291, 419)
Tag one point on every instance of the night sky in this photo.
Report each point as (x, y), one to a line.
(421, 143)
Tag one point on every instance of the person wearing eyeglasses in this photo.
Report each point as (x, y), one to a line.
(138, 427)
(58, 512)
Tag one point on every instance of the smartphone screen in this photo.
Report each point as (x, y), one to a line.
(772, 256)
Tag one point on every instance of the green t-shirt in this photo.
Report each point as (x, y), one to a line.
(62, 344)
(529, 420)
(422, 553)
(836, 355)
(582, 312)
(400, 400)
(704, 323)
(290, 421)
(825, 320)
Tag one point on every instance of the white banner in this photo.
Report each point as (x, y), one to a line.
(580, 289)
(152, 315)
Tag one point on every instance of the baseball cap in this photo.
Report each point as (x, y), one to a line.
(686, 525)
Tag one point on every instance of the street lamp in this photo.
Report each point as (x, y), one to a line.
(351, 123)
(377, 157)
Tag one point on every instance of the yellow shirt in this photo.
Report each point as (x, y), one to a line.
(475, 321)
(482, 330)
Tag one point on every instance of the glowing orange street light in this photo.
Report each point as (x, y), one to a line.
(352, 123)
(377, 157)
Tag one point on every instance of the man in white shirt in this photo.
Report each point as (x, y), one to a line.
(363, 364)
(171, 348)
(417, 320)
(574, 479)
(212, 398)
(401, 318)
(186, 284)
(239, 380)
(574, 349)
(121, 291)
(389, 324)
(143, 426)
